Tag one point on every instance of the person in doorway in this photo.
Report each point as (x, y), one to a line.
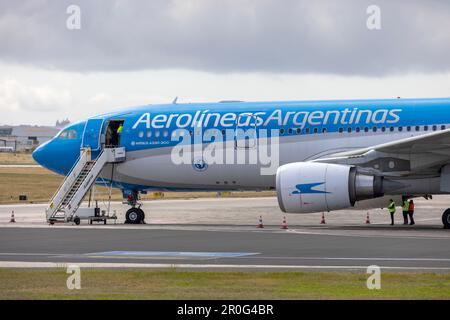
(411, 212)
(391, 208)
(405, 210)
(119, 133)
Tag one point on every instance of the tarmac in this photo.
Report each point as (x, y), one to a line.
(221, 234)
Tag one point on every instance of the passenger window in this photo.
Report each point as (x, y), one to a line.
(324, 130)
(341, 130)
(349, 130)
(290, 131)
(383, 129)
(366, 129)
(443, 127)
(281, 131)
(307, 130)
(408, 128)
(357, 129)
(434, 128)
(417, 128)
(316, 130)
(425, 128)
(299, 130)
(374, 129)
(400, 128)
(391, 129)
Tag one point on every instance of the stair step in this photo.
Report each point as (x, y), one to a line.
(67, 204)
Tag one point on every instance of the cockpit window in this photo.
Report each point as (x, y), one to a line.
(68, 134)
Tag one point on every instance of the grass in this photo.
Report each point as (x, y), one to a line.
(16, 158)
(174, 284)
(39, 184)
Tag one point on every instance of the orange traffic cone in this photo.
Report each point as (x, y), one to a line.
(367, 218)
(284, 224)
(260, 223)
(12, 217)
(323, 219)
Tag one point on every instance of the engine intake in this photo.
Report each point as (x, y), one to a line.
(306, 187)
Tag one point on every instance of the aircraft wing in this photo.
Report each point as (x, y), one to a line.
(422, 155)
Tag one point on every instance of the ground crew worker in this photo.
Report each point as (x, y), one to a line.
(411, 212)
(391, 208)
(119, 131)
(405, 210)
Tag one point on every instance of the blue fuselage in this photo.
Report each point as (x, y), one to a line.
(155, 128)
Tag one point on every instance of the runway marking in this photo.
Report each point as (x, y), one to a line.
(29, 254)
(353, 259)
(387, 236)
(179, 254)
(245, 255)
(20, 264)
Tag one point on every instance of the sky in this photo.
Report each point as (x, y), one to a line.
(74, 59)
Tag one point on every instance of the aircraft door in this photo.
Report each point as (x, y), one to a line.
(92, 134)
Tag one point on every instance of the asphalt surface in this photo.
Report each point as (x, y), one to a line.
(222, 234)
(242, 247)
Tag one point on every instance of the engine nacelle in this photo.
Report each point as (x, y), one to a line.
(306, 187)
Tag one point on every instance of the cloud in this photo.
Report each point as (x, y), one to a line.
(293, 36)
(15, 96)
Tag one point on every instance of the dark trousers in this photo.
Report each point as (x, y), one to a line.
(392, 218)
(405, 217)
(411, 219)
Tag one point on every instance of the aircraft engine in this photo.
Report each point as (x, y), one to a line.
(306, 187)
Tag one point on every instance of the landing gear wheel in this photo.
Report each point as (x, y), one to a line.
(142, 215)
(77, 221)
(134, 216)
(446, 219)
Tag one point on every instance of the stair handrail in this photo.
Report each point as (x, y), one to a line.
(84, 153)
(101, 160)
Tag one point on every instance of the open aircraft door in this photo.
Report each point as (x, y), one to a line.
(92, 134)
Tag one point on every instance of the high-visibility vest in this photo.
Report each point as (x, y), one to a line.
(391, 207)
(406, 205)
(119, 130)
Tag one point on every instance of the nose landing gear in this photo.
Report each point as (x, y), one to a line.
(134, 215)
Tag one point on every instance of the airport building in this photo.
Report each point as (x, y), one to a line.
(24, 138)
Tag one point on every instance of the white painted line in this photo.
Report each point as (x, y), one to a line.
(20, 264)
(30, 254)
(387, 236)
(246, 255)
(350, 259)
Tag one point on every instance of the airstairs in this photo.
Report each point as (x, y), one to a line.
(77, 183)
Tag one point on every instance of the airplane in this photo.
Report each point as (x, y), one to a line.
(324, 155)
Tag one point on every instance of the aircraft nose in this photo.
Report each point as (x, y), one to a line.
(39, 154)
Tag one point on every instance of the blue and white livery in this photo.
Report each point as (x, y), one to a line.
(317, 155)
